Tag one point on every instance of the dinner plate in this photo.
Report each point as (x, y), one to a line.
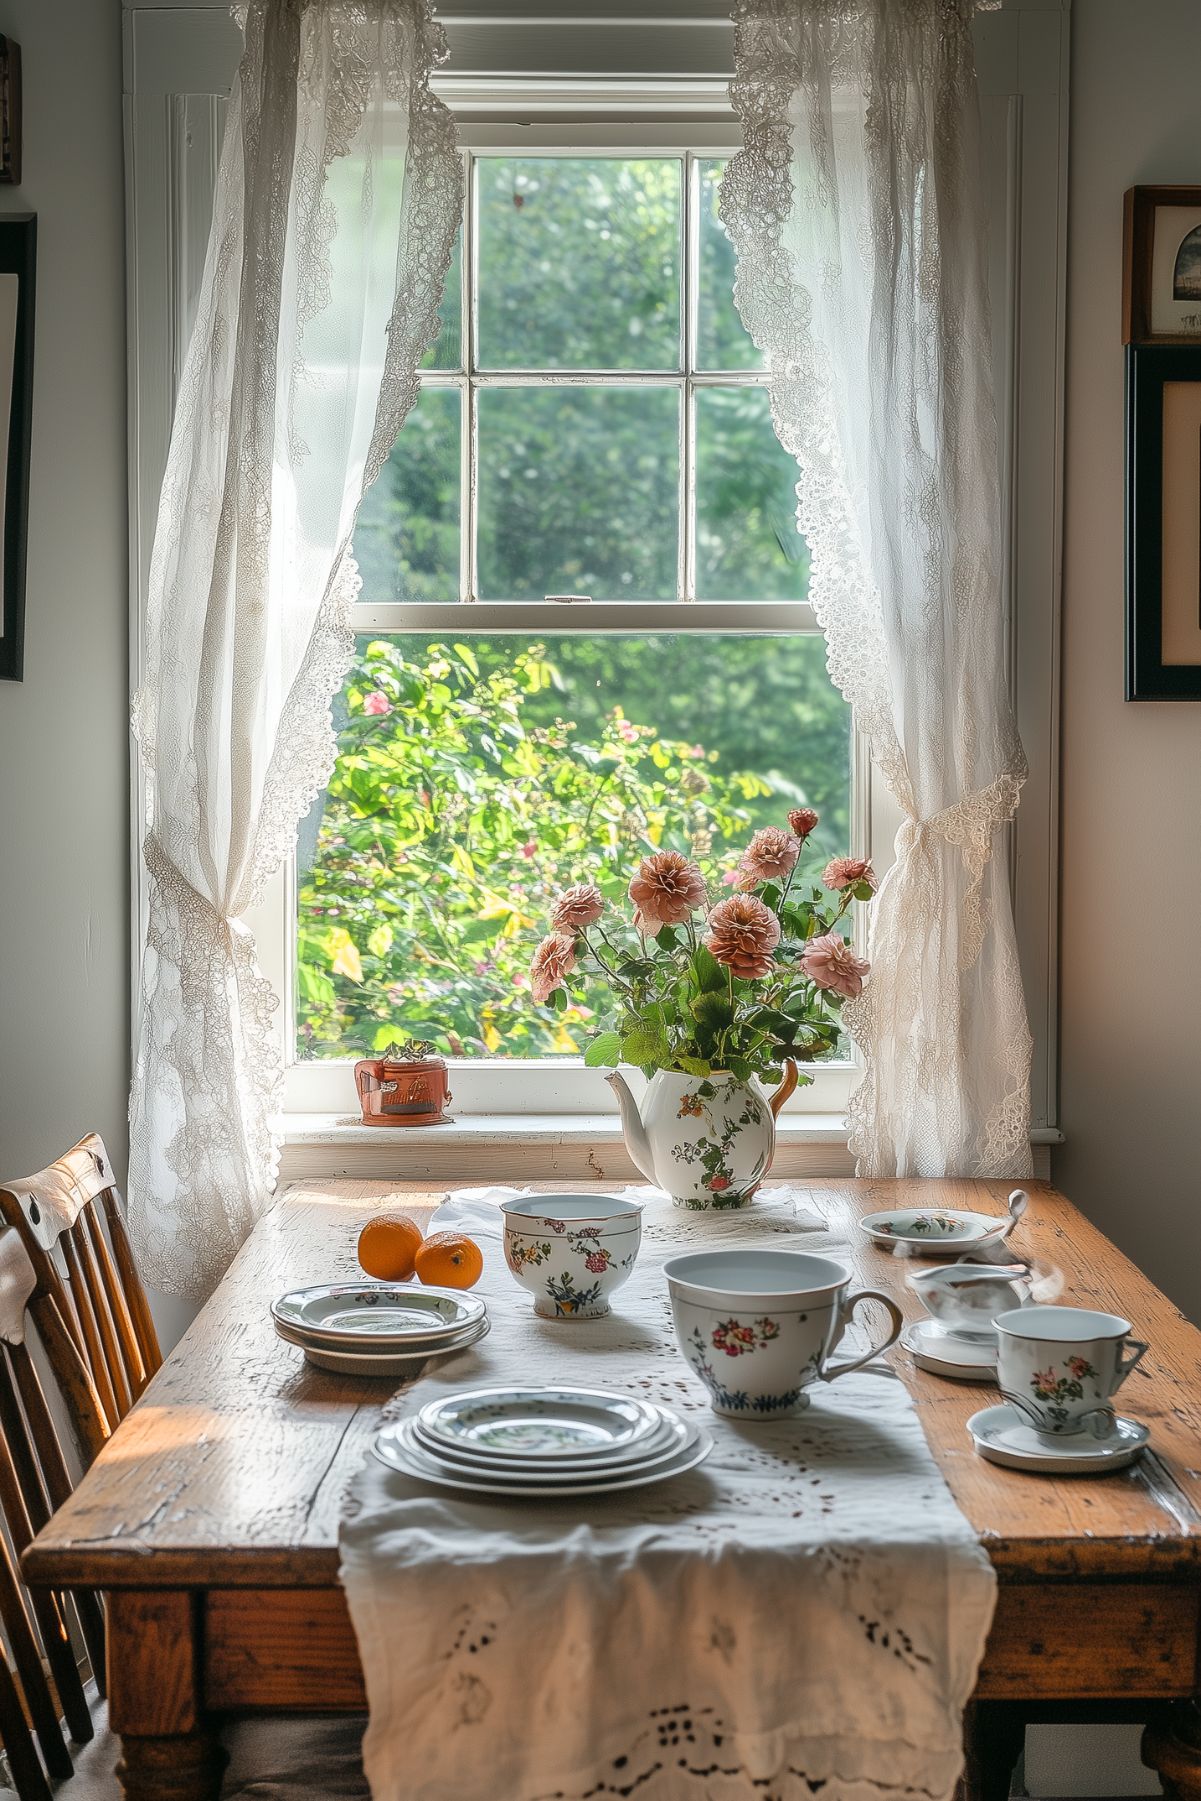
(664, 1442)
(395, 1446)
(932, 1231)
(1001, 1435)
(339, 1314)
(538, 1423)
(370, 1362)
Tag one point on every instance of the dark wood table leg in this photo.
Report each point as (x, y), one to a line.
(994, 1737)
(1172, 1747)
(169, 1750)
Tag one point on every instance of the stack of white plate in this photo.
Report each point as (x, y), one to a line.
(542, 1441)
(378, 1328)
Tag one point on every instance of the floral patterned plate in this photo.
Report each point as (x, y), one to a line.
(918, 1231)
(397, 1366)
(341, 1314)
(537, 1423)
(669, 1437)
(396, 1447)
(1001, 1435)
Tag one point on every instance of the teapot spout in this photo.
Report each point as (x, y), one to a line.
(637, 1142)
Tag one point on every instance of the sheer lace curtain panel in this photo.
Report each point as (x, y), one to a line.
(339, 192)
(858, 215)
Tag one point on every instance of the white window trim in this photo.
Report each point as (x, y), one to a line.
(179, 55)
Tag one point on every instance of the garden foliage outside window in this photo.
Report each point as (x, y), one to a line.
(593, 421)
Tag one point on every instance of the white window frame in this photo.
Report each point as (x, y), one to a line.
(514, 83)
(557, 1085)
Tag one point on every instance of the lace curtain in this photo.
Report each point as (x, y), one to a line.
(857, 212)
(338, 196)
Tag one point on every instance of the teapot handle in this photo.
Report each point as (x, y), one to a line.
(776, 1101)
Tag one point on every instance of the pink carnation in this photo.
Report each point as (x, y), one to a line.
(667, 890)
(830, 962)
(742, 935)
(769, 857)
(376, 703)
(577, 908)
(848, 872)
(802, 821)
(553, 960)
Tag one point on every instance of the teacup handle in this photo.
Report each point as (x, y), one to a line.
(1135, 1352)
(844, 1320)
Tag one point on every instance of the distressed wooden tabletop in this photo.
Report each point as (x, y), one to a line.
(231, 1469)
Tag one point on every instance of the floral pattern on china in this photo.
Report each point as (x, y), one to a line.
(714, 997)
(571, 1265)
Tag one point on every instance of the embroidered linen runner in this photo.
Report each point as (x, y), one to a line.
(808, 1608)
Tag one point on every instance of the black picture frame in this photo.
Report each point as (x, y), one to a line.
(18, 256)
(1149, 368)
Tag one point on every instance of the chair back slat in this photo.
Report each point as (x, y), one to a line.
(133, 1368)
(131, 1286)
(102, 1313)
(70, 1219)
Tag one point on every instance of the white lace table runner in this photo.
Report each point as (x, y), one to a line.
(806, 1611)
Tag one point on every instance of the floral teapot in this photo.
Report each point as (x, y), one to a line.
(708, 1141)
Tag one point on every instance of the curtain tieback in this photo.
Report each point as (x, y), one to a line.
(970, 823)
(196, 910)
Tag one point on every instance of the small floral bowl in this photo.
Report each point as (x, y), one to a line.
(571, 1251)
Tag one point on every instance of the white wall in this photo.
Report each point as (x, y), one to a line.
(1131, 825)
(64, 856)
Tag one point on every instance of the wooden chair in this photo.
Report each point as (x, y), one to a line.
(70, 1220)
(67, 1267)
(34, 1479)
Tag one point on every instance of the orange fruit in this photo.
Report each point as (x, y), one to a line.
(388, 1246)
(449, 1260)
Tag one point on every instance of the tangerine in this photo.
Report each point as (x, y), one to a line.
(388, 1246)
(449, 1260)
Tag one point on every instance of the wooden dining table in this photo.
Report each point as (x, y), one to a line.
(210, 1519)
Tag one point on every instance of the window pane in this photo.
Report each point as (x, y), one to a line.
(446, 352)
(578, 492)
(579, 263)
(722, 342)
(475, 780)
(407, 537)
(747, 543)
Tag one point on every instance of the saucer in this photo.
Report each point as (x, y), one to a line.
(933, 1231)
(935, 1349)
(1002, 1436)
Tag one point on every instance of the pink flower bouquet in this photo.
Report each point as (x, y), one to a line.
(702, 983)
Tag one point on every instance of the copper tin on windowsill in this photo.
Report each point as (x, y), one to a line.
(404, 1087)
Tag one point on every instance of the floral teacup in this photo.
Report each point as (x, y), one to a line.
(571, 1251)
(758, 1327)
(1060, 1366)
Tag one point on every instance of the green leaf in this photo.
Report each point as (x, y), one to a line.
(643, 1046)
(667, 938)
(604, 1052)
(741, 1068)
(712, 1011)
(559, 1001)
(708, 971)
(695, 1066)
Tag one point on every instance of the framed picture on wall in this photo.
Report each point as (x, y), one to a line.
(1163, 522)
(18, 255)
(1161, 298)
